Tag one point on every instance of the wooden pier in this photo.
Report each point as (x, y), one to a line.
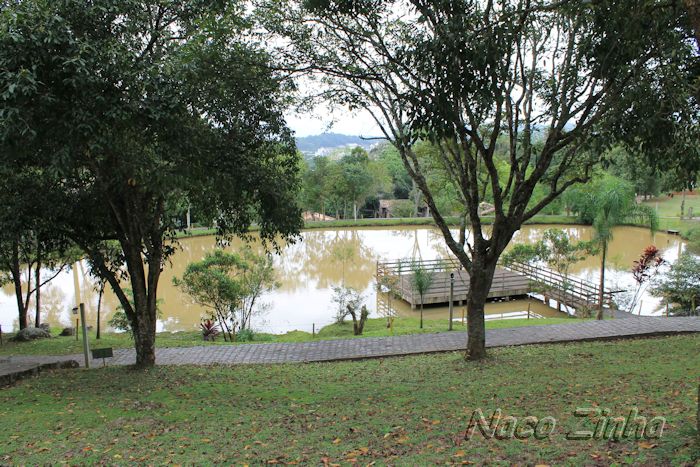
(515, 280)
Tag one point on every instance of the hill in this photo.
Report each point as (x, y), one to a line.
(311, 144)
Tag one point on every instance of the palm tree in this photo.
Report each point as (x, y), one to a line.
(613, 204)
(421, 282)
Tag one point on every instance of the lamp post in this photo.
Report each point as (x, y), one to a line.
(77, 321)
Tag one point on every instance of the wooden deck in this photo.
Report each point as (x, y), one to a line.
(505, 284)
(512, 281)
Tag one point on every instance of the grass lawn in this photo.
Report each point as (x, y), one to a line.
(373, 327)
(671, 207)
(407, 411)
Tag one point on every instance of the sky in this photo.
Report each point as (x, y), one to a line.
(323, 119)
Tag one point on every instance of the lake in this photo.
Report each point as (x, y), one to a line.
(308, 269)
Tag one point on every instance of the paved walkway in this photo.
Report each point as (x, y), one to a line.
(376, 347)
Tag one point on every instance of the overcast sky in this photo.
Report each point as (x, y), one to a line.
(325, 120)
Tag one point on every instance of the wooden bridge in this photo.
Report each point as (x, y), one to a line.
(515, 280)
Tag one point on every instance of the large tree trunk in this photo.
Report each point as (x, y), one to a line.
(479, 286)
(145, 337)
(142, 315)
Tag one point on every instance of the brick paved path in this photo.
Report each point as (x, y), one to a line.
(375, 347)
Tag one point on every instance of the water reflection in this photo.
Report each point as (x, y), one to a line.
(307, 271)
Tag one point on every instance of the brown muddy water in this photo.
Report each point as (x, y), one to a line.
(307, 271)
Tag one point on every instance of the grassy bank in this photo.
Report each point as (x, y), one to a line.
(374, 327)
(665, 223)
(406, 411)
(393, 222)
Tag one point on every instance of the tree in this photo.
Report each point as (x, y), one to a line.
(680, 286)
(358, 181)
(348, 301)
(608, 203)
(135, 109)
(421, 280)
(257, 278)
(462, 74)
(230, 285)
(388, 157)
(636, 170)
(28, 242)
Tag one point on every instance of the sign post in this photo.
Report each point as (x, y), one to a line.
(86, 344)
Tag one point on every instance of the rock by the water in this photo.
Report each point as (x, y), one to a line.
(67, 332)
(28, 334)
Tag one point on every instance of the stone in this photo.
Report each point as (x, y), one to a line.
(67, 332)
(28, 334)
(45, 327)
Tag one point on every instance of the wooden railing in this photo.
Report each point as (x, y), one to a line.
(406, 266)
(573, 289)
(569, 290)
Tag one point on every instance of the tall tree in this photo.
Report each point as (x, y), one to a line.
(135, 109)
(608, 203)
(462, 73)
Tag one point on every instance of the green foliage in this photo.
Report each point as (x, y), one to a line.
(531, 80)
(636, 169)
(680, 286)
(693, 237)
(389, 158)
(230, 285)
(402, 208)
(333, 186)
(522, 253)
(127, 111)
(555, 249)
(421, 279)
(246, 335)
(609, 201)
(120, 322)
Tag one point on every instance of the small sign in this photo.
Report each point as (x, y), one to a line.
(102, 353)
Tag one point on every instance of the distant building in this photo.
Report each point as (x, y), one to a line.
(316, 216)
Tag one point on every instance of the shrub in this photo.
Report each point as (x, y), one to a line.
(680, 286)
(209, 330)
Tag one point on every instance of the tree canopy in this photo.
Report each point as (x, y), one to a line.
(135, 110)
(469, 76)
